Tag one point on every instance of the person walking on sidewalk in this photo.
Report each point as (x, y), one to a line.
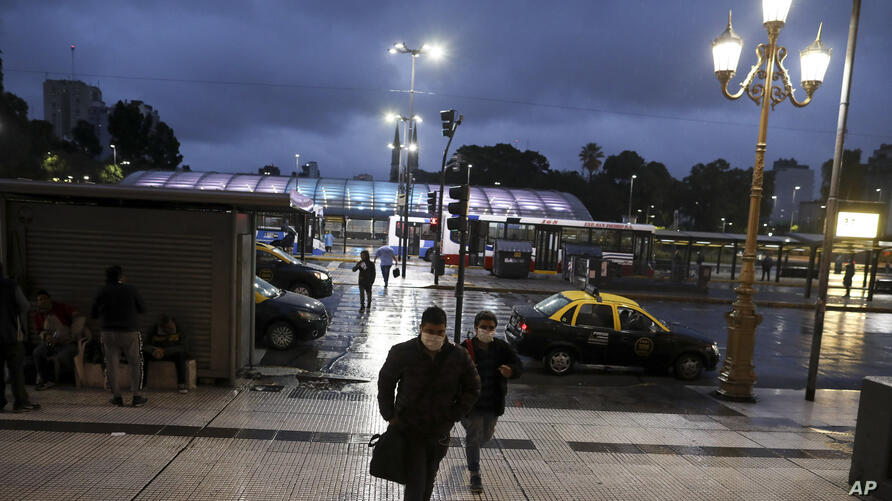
(496, 362)
(766, 267)
(437, 386)
(13, 317)
(119, 305)
(849, 274)
(366, 269)
(388, 258)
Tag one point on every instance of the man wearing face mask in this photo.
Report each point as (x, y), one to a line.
(496, 362)
(437, 386)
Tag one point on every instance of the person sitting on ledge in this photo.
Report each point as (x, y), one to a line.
(166, 342)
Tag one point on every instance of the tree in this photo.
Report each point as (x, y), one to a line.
(142, 141)
(591, 156)
(851, 176)
(84, 135)
(502, 163)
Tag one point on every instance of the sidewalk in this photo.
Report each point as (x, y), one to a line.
(788, 293)
(308, 441)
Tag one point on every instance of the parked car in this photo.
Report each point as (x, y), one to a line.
(282, 317)
(606, 329)
(286, 272)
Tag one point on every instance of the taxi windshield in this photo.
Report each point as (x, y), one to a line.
(266, 289)
(551, 305)
(283, 256)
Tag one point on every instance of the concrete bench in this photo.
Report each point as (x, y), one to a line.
(872, 455)
(162, 373)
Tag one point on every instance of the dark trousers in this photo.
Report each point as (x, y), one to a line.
(179, 360)
(385, 271)
(64, 353)
(130, 344)
(13, 355)
(766, 273)
(479, 427)
(423, 456)
(365, 294)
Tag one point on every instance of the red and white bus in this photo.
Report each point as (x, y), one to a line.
(628, 245)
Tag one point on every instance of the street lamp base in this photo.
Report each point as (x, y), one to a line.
(727, 396)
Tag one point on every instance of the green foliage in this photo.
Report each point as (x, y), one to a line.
(851, 180)
(110, 173)
(84, 135)
(141, 141)
(591, 156)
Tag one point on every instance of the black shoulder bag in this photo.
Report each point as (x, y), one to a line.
(389, 449)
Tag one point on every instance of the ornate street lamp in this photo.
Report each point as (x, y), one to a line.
(737, 376)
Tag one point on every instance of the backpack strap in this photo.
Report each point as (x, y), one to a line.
(470, 345)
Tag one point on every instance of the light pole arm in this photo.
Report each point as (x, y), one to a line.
(725, 77)
(777, 96)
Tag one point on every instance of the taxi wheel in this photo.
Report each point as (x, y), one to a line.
(688, 366)
(280, 335)
(559, 361)
(299, 288)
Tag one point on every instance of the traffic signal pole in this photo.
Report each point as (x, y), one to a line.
(460, 282)
(441, 225)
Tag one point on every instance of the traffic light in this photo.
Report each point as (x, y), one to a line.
(435, 225)
(432, 203)
(448, 119)
(459, 208)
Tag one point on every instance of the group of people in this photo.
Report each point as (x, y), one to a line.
(366, 269)
(58, 328)
(427, 384)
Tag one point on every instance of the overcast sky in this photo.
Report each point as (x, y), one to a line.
(244, 84)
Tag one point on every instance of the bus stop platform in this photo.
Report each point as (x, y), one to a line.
(788, 293)
(307, 439)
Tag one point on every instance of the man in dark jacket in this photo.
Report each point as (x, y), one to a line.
(437, 386)
(13, 317)
(119, 305)
(496, 363)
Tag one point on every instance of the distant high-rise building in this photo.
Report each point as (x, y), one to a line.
(65, 102)
(309, 169)
(788, 174)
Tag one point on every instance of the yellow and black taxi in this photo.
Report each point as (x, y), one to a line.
(281, 317)
(606, 329)
(286, 272)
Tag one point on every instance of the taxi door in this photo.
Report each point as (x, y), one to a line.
(267, 266)
(640, 340)
(595, 325)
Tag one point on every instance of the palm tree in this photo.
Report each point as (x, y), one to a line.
(591, 156)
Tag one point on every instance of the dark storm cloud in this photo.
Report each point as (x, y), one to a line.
(249, 83)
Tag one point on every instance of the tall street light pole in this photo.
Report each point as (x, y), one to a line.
(793, 208)
(115, 154)
(297, 164)
(631, 185)
(830, 219)
(737, 375)
(400, 47)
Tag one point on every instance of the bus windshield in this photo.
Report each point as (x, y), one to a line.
(551, 305)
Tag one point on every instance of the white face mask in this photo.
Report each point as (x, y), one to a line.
(485, 336)
(432, 342)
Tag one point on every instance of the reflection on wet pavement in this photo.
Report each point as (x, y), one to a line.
(854, 344)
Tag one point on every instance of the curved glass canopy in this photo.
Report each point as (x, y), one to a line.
(372, 199)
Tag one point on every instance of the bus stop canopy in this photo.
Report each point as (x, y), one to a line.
(369, 199)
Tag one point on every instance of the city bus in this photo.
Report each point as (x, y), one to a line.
(628, 245)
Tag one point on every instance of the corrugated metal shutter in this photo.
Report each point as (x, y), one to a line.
(162, 254)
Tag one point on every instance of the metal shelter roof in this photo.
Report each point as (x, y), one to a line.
(119, 193)
(809, 240)
(370, 199)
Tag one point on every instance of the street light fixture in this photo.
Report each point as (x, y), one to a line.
(723, 225)
(793, 208)
(631, 185)
(879, 194)
(737, 375)
(115, 152)
(405, 181)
